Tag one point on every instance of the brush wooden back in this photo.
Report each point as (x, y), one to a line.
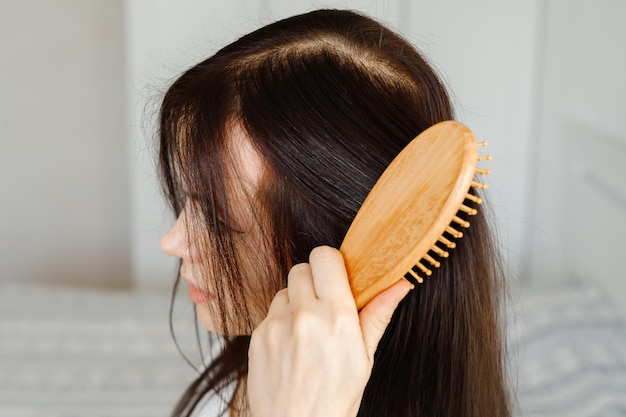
(409, 208)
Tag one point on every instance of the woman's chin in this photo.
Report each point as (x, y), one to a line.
(214, 325)
(206, 318)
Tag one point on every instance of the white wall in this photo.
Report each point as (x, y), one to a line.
(580, 147)
(63, 158)
(485, 50)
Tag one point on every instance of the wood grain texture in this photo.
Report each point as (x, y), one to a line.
(409, 208)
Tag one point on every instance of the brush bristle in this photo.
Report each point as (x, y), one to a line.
(416, 274)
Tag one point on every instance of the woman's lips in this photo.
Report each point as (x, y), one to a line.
(196, 294)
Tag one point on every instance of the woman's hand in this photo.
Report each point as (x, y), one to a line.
(313, 354)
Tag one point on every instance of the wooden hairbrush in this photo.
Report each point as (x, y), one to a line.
(410, 218)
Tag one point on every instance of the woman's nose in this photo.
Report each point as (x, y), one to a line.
(174, 241)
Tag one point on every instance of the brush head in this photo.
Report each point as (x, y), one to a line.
(409, 209)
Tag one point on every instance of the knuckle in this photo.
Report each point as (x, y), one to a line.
(281, 294)
(323, 253)
(270, 329)
(331, 323)
(273, 326)
(304, 320)
(298, 272)
(299, 268)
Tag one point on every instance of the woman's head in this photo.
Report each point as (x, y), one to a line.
(268, 149)
(323, 101)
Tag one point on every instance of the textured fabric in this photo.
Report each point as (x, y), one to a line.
(571, 352)
(86, 352)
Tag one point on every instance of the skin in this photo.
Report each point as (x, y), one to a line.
(312, 354)
(176, 242)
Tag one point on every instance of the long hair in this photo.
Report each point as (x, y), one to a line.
(328, 99)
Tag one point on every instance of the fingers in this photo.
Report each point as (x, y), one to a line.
(299, 288)
(376, 315)
(308, 356)
(280, 300)
(300, 283)
(330, 278)
(324, 277)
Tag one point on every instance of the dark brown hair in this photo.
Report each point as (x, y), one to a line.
(328, 99)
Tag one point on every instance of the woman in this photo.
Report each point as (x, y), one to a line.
(267, 150)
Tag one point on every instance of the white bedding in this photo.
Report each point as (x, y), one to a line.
(85, 352)
(571, 352)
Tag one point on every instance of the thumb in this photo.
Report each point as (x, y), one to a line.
(376, 315)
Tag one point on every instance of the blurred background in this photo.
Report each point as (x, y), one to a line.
(84, 287)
